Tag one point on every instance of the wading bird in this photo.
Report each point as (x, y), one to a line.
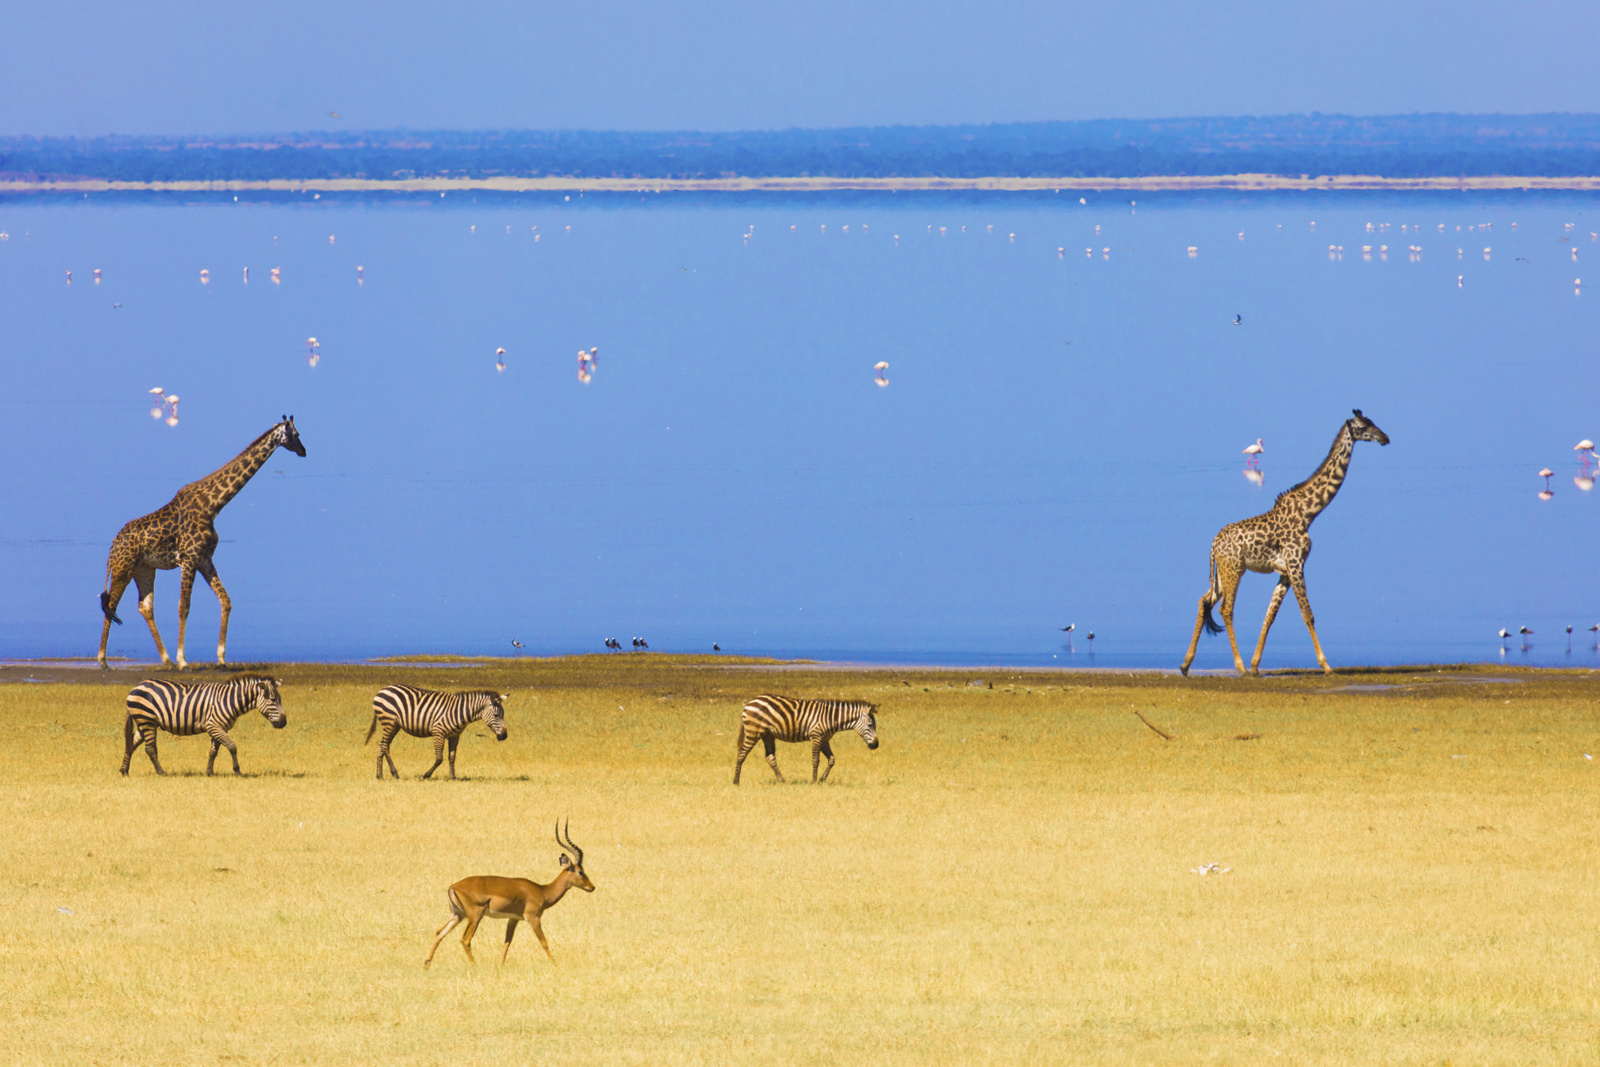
(1238, 320)
(1504, 633)
(714, 646)
(1253, 451)
(183, 535)
(1277, 542)
(515, 643)
(1069, 627)
(513, 899)
(499, 359)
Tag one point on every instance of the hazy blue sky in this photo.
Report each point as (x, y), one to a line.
(82, 68)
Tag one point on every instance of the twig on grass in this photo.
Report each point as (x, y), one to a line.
(1246, 737)
(1164, 735)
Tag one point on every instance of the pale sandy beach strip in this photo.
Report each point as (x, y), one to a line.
(1168, 183)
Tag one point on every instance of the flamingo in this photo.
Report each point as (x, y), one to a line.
(1253, 451)
(1545, 474)
(1585, 448)
(499, 359)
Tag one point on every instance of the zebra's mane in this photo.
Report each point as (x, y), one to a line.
(251, 676)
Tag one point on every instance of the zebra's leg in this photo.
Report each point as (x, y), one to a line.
(389, 730)
(747, 741)
(185, 591)
(816, 754)
(128, 744)
(511, 928)
(452, 750)
(147, 733)
(772, 754)
(438, 754)
(220, 737)
(827, 750)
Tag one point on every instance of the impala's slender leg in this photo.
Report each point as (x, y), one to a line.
(452, 748)
(144, 576)
(1299, 580)
(772, 753)
(827, 750)
(445, 929)
(747, 741)
(538, 932)
(185, 591)
(472, 927)
(220, 737)
(511, 928)
(209, 570)
(438, 754)
(1272, 613)
(1228, 575)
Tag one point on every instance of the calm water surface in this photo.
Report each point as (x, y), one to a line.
(1058, 442)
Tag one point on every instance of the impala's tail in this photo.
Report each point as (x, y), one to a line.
(1212, 596)
(373, 728)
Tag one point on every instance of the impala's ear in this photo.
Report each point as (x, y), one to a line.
(565, 862)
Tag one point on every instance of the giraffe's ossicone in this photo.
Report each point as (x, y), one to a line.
(183, 535)
(1277, 543)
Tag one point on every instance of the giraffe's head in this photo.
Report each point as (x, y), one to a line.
(1364, 429)
(867, 726)
(289, 437)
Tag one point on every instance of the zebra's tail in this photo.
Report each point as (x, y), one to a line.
(373, 728)
(1212, 596)
(127, 735)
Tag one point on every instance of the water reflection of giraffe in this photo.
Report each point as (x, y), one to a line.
(1277, 542)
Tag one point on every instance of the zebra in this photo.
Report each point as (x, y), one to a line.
(772, 718)
(185, 708)
(425, 713)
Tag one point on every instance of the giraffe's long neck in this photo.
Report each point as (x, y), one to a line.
(213, 492)
(1315, 493)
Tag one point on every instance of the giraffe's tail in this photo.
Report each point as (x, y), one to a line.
(1213, 595)
(107, 608)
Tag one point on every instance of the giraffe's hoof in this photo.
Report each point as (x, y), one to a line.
(1184, 670)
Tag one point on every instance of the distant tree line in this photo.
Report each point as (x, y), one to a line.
(1399, 146)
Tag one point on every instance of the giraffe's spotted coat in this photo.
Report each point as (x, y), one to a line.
(1278, 543)
(183, 535)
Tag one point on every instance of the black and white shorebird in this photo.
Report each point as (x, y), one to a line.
(1504, 633)
(644, 644)
(1091, 635)
(515, 643)
(1238, 320)
(1069, 627)
(715, 647)
(612, 642)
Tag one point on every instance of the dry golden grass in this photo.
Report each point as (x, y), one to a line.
(1008, 878)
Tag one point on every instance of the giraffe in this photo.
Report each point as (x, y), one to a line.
(182, 535)
(1278, 542)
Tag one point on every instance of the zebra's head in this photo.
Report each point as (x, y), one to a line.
(867, 726)
(494, 715)
(263, 696)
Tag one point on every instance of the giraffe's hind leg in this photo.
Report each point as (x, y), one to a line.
(144, 577)
(1266, 624)
(1228, 575)
(1299, 581)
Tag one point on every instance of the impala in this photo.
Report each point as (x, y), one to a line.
(513, 899)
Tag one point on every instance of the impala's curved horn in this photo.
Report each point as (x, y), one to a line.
(576, 851)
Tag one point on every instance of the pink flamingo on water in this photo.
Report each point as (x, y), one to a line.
(1254, 451)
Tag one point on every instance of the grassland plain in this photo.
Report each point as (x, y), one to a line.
(1009, 878)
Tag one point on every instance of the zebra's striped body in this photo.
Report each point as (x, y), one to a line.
(441, 716)
(186, 708)
(771, 719)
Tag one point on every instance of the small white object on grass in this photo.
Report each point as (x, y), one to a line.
(1211, 868)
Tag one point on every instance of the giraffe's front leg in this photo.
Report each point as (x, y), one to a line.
(1272, 613)
(1299, 580)
(209, 569)
(185, 590)
(113, 595)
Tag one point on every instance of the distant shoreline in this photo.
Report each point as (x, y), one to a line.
(1155, 183)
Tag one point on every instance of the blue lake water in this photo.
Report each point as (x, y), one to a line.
(1058, 442)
